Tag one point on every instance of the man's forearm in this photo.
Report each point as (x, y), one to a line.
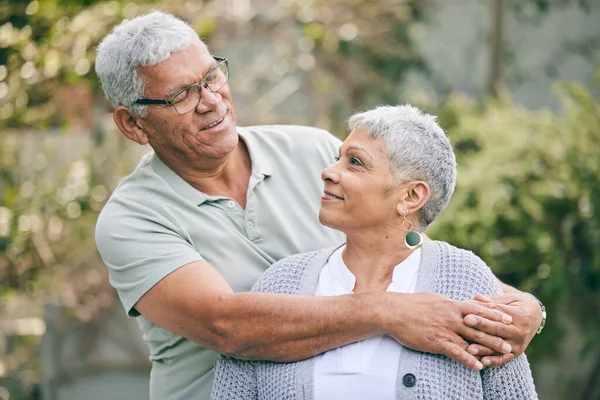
(278, 327)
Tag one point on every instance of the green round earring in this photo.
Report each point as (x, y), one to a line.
(412, 240)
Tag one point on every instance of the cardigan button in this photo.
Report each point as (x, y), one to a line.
(409, 380)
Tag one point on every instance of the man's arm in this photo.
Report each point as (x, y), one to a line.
(527, 317)
(196, 302)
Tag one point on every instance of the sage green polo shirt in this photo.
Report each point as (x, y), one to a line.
(155, 223)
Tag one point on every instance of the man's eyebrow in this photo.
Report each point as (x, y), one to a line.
(172, 92)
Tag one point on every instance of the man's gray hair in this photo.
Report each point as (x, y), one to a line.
(417, 149)
(142, 41)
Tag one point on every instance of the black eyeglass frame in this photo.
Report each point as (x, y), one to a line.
(200, 84)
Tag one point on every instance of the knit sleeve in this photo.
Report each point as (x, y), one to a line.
(285, 276)
(461, 274)
(510, 381)
(234, 379)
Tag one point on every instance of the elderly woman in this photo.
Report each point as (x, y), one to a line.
(395, 174)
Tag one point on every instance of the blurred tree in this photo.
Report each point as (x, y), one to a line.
(527, 202)
(527, 198)
(361, 53)
(47, 45)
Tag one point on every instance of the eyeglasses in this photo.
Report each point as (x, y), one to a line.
(188, 99)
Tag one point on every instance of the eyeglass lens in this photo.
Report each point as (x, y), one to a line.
(189, 99)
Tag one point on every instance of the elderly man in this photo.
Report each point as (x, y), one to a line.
(203, 216)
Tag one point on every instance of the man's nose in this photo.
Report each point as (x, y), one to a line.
(208, 99)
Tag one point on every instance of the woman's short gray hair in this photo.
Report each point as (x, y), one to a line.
(417, 149)
(142, 41)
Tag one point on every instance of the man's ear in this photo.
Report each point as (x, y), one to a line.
(413, 198)
(128, 124)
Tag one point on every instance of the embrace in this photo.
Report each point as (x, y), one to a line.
(295, 262)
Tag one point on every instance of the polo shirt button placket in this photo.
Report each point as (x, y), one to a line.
(249, 224)
(231, 204)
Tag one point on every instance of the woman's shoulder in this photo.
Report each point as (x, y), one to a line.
(461, 273)
(453, 254)
(288, 274)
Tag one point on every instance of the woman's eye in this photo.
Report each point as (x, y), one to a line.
(336, 158)
(355, 161)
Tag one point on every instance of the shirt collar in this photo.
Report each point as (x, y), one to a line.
(260, 159)
(177, 183)
(260, 168)
(342, 274)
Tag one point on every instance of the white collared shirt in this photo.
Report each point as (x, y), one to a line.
(367, 369)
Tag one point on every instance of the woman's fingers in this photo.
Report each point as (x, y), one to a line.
(495, 361)
(459, 354)
(487, 311)
(494, 343)
(482, 298)
(481, 351)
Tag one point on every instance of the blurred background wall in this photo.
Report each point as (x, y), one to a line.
(515, 84)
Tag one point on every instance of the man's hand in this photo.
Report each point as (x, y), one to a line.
(435, 325)
(527, 317)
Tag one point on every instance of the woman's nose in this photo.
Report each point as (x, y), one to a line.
(331, 174)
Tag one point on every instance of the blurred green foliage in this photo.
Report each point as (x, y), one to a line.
(47, 44)
(528, 192)
(528, 202)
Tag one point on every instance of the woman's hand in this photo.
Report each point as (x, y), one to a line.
(527, 317)
(433, 323)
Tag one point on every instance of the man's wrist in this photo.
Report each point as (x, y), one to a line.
(543, 308)
(386, 319)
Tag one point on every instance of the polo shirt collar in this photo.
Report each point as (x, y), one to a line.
(177, 183)
(258, 157)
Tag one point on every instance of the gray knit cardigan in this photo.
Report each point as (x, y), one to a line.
(456, 273)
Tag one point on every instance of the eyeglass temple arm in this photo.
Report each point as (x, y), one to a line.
(151, 101)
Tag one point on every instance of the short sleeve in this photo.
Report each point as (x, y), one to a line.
(140, 246)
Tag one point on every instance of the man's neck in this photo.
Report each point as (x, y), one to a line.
(227, 177)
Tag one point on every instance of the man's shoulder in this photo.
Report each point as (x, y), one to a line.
(286, 129)
(135, 187)
(290, 132)
(139, 193)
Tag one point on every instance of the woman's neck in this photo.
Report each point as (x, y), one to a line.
(372, 258)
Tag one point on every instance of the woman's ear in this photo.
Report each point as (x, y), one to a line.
(129, 125)
(413, 198)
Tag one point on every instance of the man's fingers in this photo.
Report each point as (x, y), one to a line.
(488, 311)
(484, 339)
(494, 328)
(494, 361)
(481, 351)
(459, 354)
